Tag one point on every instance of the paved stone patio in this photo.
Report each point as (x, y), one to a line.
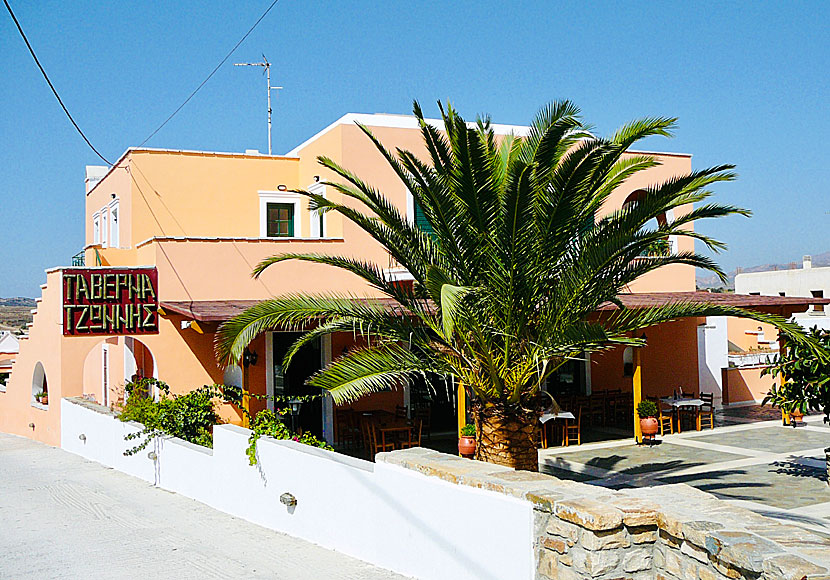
(750, 460)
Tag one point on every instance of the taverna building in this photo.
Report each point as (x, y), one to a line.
(171, 240)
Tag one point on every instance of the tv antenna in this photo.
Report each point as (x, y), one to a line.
(267, 66)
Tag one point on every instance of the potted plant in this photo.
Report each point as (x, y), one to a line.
(647, 411)
(42, 397)
(804, 379)
(467, 441)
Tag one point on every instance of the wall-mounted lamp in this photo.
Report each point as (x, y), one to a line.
(288, 500)
(316, 179)
(644, 338)
(281, 187)
(295, 406)
(112, 195)
(82, 437)
(152, 456)
(32, 426)
(249, 357)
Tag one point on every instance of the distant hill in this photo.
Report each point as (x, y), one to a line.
(711, 281)
(16, 313)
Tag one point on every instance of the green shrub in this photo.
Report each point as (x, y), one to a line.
(270, 424)
(647, 409)
(190, 416)
(468, 430)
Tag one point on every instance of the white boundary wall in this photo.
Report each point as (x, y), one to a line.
(386, 515)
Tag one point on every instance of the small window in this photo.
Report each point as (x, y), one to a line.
(96, 228)
(421, 219)
(782, 293)
(818, 294)
(754, 293)
(104, 228)
(115, 238)
(280, 220)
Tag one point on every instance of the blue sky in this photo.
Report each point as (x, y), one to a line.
(748, 81)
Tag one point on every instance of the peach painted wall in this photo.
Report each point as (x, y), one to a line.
(117, 182)
(669, 361)
(745, 384)
(736, 332)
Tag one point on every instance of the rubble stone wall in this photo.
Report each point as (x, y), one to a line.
(669, 532)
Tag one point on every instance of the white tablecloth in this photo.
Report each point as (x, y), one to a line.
(682, 402)
(562, 415)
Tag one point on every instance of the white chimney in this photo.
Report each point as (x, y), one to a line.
(94, 174)
(252, 152)
(808, 262)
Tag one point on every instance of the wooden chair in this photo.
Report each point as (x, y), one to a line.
(346, 432)
(706, 412)
(662, 418)
(423, 414)
(596, 409)
(573, 433)
(414, 436)
(378, 445)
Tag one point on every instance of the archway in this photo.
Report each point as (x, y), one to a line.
(39, 384)
(111, 364)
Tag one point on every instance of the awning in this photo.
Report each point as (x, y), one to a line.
(221, 310)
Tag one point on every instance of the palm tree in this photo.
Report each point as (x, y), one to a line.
(508, 272)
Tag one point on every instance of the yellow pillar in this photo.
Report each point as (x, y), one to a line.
(782, 352)
(246, 400)
(638, 393)
(462, 408)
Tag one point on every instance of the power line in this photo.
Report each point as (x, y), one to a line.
(218, 66)
(51, 86)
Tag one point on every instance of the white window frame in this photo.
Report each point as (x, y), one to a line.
(315, 216)
(410, 207)
(266, 197)
(114, 224)
(105, 220)
(96, 227)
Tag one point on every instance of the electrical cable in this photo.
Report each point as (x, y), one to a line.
(51, 86)
(223, 61)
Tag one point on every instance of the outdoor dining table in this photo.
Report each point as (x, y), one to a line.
(679, 404)
(392, 429)
(549, 417)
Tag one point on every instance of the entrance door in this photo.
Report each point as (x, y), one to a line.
(290, 382)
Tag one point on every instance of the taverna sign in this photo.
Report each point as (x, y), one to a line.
(104, 301)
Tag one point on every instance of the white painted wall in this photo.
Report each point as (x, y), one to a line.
(712, 355)
(796, 282)
(392, 517)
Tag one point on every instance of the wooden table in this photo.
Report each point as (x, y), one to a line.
(395, 428)
(679, 404)
(549, 417)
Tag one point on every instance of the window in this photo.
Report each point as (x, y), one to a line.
(782, 293)
(279, 213)
(96, 228)
(421, 219)
(818, 294)
(280, 220)
(104, 228)
(317, 224)
(115, 238)
(754, 293)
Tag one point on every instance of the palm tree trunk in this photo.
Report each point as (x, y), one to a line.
(507, 437)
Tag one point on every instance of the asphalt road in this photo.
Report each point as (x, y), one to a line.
(64, 517)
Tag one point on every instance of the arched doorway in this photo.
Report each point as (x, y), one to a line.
(111, 364)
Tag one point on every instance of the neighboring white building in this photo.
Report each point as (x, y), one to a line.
(9, 347)
(805, 282)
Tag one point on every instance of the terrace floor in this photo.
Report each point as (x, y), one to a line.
(751, 460)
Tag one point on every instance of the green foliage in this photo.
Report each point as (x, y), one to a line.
(270, 424)
(805, 376)
(513, 267)
(190, 416)
(468, 430)
(647, 409)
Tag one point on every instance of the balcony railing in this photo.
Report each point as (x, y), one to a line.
(78, 259)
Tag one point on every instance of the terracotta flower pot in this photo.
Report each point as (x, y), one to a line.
(649, 426)
(797, 416)
(467, 445)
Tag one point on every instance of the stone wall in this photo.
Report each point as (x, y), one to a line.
(670, 532)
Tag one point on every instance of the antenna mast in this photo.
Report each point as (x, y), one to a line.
(267, 66)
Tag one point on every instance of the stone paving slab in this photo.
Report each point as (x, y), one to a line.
(632, 459)
(774, 439)
(62, 518)
(783, 484)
